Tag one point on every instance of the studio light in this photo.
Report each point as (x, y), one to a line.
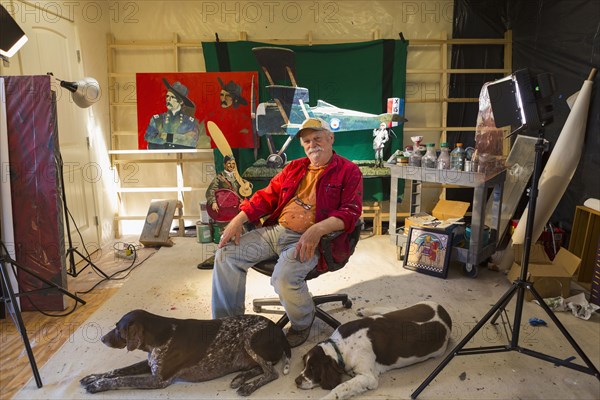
(522, 100)
(84, 92)
(12, 37)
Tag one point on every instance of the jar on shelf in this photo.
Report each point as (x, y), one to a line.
(443, 161)
(429, 159)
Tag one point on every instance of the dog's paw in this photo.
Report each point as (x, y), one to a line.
(99, 385)
(246, 389)
(86, 380)
(238, 381)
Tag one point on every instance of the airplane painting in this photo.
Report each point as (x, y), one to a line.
(289, 105)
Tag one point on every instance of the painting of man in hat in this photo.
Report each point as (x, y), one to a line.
(176, 128)
(231, 94)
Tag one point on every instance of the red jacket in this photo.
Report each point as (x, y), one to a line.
(339, 194)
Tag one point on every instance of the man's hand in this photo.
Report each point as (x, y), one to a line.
(306, 246)
(215, 206)
(233, 230)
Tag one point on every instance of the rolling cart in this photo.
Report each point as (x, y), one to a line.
(476, 252)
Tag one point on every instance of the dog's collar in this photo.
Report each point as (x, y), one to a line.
(340, 360)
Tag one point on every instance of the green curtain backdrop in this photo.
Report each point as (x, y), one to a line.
(357, 76)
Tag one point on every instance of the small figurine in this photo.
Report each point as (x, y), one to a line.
(381, 137)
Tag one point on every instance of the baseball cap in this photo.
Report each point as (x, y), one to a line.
(315, 124)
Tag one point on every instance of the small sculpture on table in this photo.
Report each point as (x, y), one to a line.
(380, 138)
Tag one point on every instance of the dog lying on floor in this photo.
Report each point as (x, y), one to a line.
(194, 351)
(366, 347)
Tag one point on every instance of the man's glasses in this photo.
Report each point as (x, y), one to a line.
(302, 204)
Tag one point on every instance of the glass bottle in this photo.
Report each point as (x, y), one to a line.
(443, 161)
(457, 158)
(415, 157)
(429, 159)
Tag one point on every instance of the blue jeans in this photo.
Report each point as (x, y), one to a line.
(233, 261)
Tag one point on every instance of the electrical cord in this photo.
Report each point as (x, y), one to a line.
(131, 247)
(129, 269)
(87, 253)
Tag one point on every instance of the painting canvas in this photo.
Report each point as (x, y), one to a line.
(173, 108)
(428, 251)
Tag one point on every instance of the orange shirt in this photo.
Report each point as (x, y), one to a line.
(299, 213)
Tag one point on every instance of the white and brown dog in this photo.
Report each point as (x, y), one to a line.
(366, 347)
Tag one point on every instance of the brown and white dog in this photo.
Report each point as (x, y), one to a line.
(194, 351)
(366, 347)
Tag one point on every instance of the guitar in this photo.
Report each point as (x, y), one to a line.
(245, 189)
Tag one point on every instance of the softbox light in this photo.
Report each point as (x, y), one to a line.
(84, 92)
(12, 37)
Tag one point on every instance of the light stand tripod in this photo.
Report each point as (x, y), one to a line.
(518, 287)
(13, 307)
(71, 251)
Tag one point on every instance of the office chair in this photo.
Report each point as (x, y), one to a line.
(266, 268)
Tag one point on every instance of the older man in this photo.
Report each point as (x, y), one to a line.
(309, 198)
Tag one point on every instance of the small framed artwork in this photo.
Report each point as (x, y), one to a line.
(428, 251)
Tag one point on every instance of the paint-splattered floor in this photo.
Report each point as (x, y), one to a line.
(169, 283)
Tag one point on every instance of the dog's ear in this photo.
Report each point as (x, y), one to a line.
(331, 374)
(133, 334)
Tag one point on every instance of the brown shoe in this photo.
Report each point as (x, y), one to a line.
(296, 338)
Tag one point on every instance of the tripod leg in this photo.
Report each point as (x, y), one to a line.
(13, 308)
(90, 263)
(499, 304)
(46, 281)
(566, 334)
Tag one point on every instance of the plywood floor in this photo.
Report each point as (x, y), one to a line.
(47, 334)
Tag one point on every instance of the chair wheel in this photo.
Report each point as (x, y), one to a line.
(347, 303)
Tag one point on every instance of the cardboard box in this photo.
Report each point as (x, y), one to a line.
(550, 278)
(445, 215)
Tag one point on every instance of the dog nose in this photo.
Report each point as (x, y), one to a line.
(299, 380)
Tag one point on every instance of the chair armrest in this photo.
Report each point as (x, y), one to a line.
(325, 244)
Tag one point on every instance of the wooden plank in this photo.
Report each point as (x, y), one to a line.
(160, 151)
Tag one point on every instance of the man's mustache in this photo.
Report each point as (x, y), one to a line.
(315, 149)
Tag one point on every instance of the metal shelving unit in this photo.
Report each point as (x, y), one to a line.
(476, 252)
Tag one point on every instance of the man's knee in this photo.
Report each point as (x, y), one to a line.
(285, 279)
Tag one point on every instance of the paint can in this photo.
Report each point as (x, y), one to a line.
(203, 232)
(217, 230)
(204, 218)
(470, 166)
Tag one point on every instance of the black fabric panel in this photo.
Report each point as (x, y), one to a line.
(563, 38)
(560, 37)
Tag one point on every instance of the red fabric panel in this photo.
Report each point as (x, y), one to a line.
(35, 191)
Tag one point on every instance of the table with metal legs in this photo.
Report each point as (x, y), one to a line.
(476, 252)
